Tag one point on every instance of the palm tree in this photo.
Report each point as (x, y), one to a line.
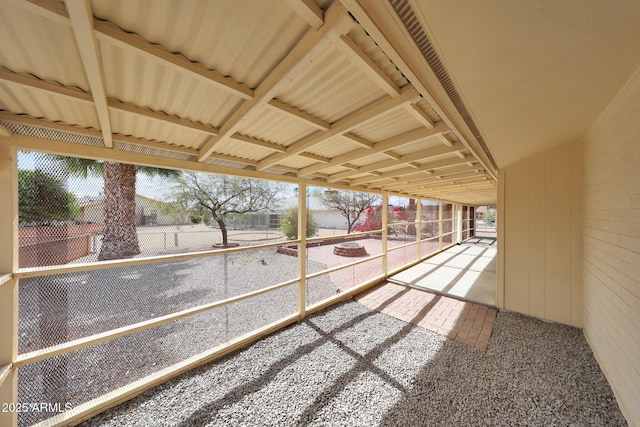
(119, 235)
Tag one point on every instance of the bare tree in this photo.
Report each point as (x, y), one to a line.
(351, 204)
(223, 195)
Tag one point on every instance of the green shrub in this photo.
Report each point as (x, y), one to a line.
(289, 224)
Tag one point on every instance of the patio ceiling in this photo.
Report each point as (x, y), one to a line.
(267, 88)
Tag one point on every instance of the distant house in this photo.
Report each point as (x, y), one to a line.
(323, 216)
(148, 212)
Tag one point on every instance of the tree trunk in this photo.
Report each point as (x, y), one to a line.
(119, 236)
(111, 232)
(223, 230)
(411, 216)
(130, 244)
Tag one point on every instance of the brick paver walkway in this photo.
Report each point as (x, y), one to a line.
(465, 322)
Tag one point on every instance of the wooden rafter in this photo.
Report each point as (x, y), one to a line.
(79, 95)
(408, 158)
(420, 115)
(426, 169)
(258, 142)
(297, 61)
(410, 185)
(4, 131)
(443, 173)
(109, 32)
(360, 59)
(439, 185)
(296, 113)
(82, 24)
(344, 125)
(157, 145)
(308, 10)
(357, 140)
(392, 142)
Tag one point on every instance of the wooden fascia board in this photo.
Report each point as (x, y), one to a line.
(298, 60)
(344, 125)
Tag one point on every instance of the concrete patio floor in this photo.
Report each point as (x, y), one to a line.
(466, 271)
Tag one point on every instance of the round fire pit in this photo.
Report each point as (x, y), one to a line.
(350, 249)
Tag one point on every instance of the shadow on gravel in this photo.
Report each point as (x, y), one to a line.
(208, 413)
(387, 372)
(534, 373)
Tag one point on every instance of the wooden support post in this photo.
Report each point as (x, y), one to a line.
(385, 225)
(8, 288)
(440, 224)
(302, 250)
(418, 226)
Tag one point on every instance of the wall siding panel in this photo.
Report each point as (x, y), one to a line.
(543, 235)
(611, 266)
(516, 290)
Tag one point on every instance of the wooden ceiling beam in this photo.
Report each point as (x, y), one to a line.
(48, 124)
(79, 95)
(445, 140)
(296, 113)
(298, 60)
(344, 125)
(410, 185)
(258, 142)
(357, 140)
(390, 154)
(54, 10)
(392, 142)
(161, 116)
(81, 17)
(307, 10)
(440, 185)
(415, 170)
(320, 159)
(417, 112)
(420, 155)
(361, 60)
(4, 131)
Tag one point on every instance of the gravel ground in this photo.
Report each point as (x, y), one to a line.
(57, 309)
(351, 366)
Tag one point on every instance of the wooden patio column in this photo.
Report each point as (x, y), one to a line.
(385, 224)
(302, 250)
(8, 285)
